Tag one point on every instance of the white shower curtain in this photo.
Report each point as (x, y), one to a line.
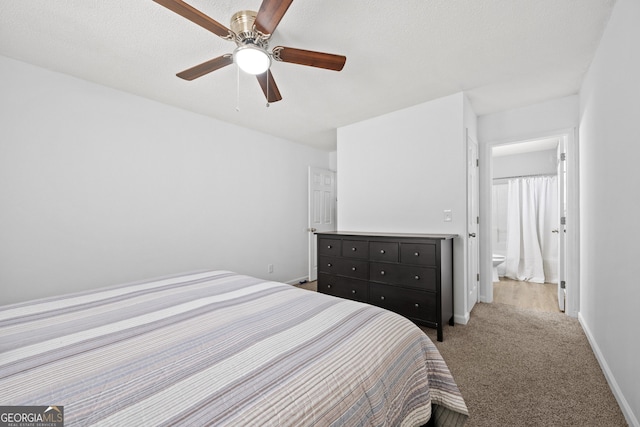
(532, 215)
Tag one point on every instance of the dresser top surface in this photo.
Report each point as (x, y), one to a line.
(398, 235)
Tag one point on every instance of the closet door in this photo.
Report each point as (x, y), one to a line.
(321, 209)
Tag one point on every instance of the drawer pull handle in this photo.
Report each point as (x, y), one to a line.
(353, 269)
(382, 273)
(329, 246)
(417, 305)
(328, 286)
(417, 277)
(354, 249)
(353, 291)
(382, 297)
(416, 253)
(382, 251)
(329, 265)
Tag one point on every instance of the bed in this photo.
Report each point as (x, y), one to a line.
(219, 348)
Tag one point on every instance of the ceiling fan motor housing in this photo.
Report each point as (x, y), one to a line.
(242, 24)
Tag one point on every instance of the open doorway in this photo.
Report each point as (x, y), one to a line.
(527, 234)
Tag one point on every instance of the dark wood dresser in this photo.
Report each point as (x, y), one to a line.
(410, 274)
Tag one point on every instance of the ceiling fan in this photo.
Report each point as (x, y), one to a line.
(251, 32)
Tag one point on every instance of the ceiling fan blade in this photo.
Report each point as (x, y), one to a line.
(311, 58)
(194, 15)
(270, 14)
(206, 67)
(269, 87)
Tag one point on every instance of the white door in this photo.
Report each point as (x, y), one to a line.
(473, 191)
(322, 211)
(561, 230)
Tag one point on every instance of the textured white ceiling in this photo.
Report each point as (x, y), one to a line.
(502, 53)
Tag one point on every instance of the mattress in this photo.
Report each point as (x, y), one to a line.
(219, 348)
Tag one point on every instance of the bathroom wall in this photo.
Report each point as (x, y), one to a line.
(532, 163)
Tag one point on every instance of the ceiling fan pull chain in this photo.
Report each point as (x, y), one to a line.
(238, 89)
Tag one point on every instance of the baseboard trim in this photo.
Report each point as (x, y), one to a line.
(613, 384)
(461, 320)
(485, 299)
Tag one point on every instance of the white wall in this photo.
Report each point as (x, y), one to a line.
(397, 171)
(529, 122)
(542, 162)
(400, 171)
(610, 182)
(100, 187)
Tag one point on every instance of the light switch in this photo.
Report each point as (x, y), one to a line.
(447, 215)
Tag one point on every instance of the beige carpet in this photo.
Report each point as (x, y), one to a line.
(519, 367)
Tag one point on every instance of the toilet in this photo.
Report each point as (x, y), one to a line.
(497, 260)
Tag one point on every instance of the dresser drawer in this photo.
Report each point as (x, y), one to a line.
(407, 302)
(328, 264)
(353, 268)
(423, 278)
(344, 267)
(383, 251)
(418, 253)
(343, 287)
(329, 246)
(355, 249)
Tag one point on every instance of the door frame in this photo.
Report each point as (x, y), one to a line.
(572, 241)
(561, 170)
(472, 226)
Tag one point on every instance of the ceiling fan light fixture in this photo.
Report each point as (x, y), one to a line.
(252, 59)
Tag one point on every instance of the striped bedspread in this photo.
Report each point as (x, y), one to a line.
(218, 348)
